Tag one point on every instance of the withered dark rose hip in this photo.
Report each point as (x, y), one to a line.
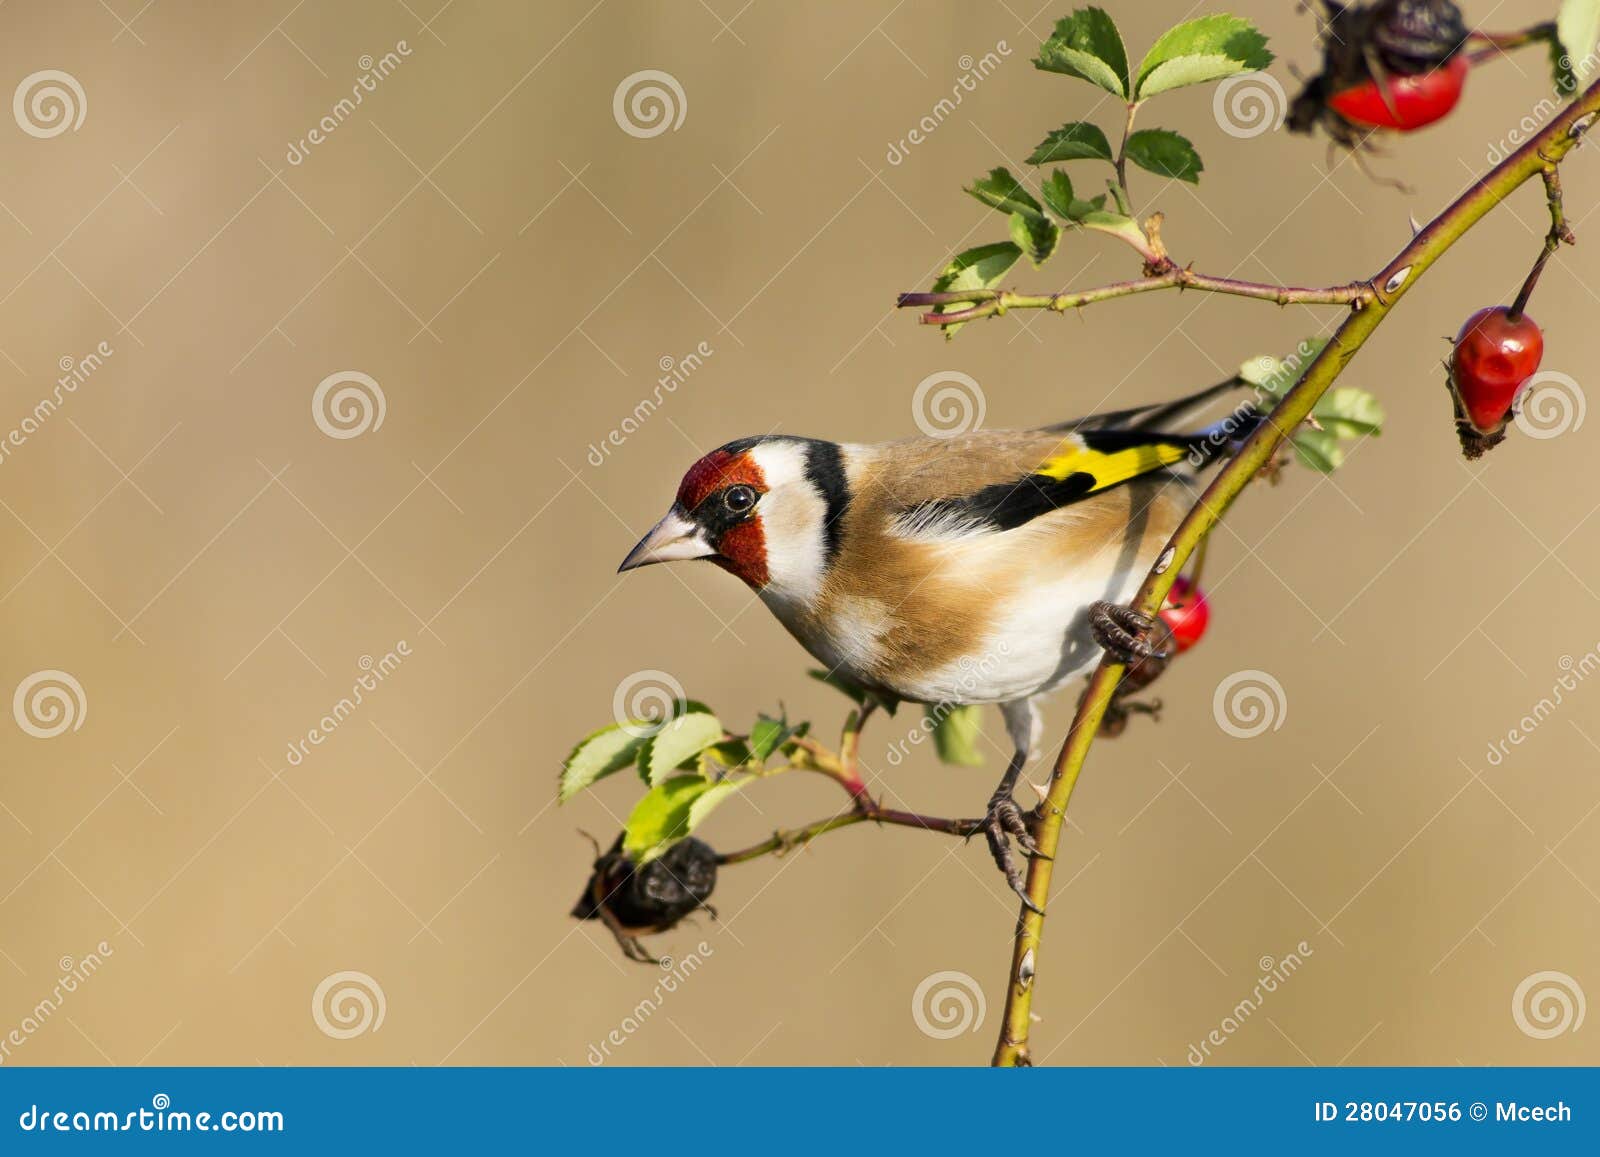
(1493, 356)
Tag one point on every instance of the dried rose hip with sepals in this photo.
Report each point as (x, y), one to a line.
(633, 900)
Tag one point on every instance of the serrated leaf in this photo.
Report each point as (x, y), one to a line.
(1056, 191)
(1073, 141)
(1349, 412)
(1166, 154)
(767, 736)
(955, 734)
(661, 818)
(680, 741)
(1577, 29)
(1201, 50)
(1035, 236)
(1318, 449)
(1059, 198)
(979, 268)
(1087, 45)
(1000, 190)
(606, 751)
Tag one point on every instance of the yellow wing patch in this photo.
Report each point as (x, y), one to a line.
(1108, 468)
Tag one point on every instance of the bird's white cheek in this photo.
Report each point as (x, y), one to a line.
(792, 532)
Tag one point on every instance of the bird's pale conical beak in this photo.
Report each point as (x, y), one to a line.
(673, 538)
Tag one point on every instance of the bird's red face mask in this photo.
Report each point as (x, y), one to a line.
(715, 516)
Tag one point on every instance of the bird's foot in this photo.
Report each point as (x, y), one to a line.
(1004, 822)
(1121, 630)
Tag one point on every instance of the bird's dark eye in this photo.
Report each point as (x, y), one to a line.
(739, 499)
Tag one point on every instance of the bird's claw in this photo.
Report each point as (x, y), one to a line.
(1004, 822)
(1121, 630)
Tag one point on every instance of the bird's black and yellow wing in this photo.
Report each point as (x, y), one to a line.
(1080, 465)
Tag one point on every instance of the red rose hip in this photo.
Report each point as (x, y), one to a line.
(1417, 100)
(1186, 613)
(1493, 356)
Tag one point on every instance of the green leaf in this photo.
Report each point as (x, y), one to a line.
(1349, 412)
(1202, 50)
(1087, 45)
(1319, 450)
(1059, 197)
(681, 740)
(1116, 225)
(979, 268)
(767, 736)
(662, 817)
(1166, 154)
(1000, 190)
(722, 757)
(955, 734)
(1035, 236)
(1073, 141)
(1577, 29)
(606, 751)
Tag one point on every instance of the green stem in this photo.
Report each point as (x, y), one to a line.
(1560, 234)
(995, 302)
(1387, 287)
(1122, 156)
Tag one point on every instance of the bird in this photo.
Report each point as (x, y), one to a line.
(989, 567)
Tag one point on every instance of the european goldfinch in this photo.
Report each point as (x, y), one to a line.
(991, 567)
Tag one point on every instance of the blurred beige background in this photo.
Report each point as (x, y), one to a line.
(482, 239)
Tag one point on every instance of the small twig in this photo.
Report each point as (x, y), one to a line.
(844, 769)
(995, 302)
(1560, 234)
(1499, 43)
(784, 841)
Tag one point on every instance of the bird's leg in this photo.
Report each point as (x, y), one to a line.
(1003, 820)
(1121, 630)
